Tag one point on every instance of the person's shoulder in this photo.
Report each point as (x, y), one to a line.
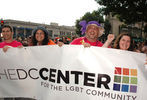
(2, 44)
(100, 44)
(51, 42)
(16, 42)
(77, 40)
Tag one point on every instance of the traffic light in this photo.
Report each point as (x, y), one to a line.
(2, 23)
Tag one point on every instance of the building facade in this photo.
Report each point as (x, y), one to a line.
(134, 29)
(24, 29)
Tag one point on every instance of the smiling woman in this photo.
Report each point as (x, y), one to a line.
(124, 42)
(40, 37)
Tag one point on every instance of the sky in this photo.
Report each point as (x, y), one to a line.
(63, 12)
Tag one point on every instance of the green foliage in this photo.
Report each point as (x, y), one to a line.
(128, 11)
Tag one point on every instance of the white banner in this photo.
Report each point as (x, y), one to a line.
(72, 73)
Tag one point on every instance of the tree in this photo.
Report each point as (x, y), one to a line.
(95, 15)
(128, 11)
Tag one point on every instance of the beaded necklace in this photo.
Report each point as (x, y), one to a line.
(85, 40)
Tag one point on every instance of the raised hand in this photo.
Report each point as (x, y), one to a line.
(109, 40)
(110, 37)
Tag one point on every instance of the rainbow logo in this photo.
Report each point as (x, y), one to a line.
(125, 80)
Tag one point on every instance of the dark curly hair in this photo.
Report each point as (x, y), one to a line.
(45, 40)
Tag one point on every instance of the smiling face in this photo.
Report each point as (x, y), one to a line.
(124, 42)
(92, 32)
(7, 34)
(40, 35)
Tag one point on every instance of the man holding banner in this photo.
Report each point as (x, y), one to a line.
(92, 31)
(8, 42)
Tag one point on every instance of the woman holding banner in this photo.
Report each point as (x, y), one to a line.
(40, 37)
(124, 42)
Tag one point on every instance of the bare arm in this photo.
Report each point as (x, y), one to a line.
(109, 40)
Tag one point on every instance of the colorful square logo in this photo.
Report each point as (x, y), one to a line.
(125, 80)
